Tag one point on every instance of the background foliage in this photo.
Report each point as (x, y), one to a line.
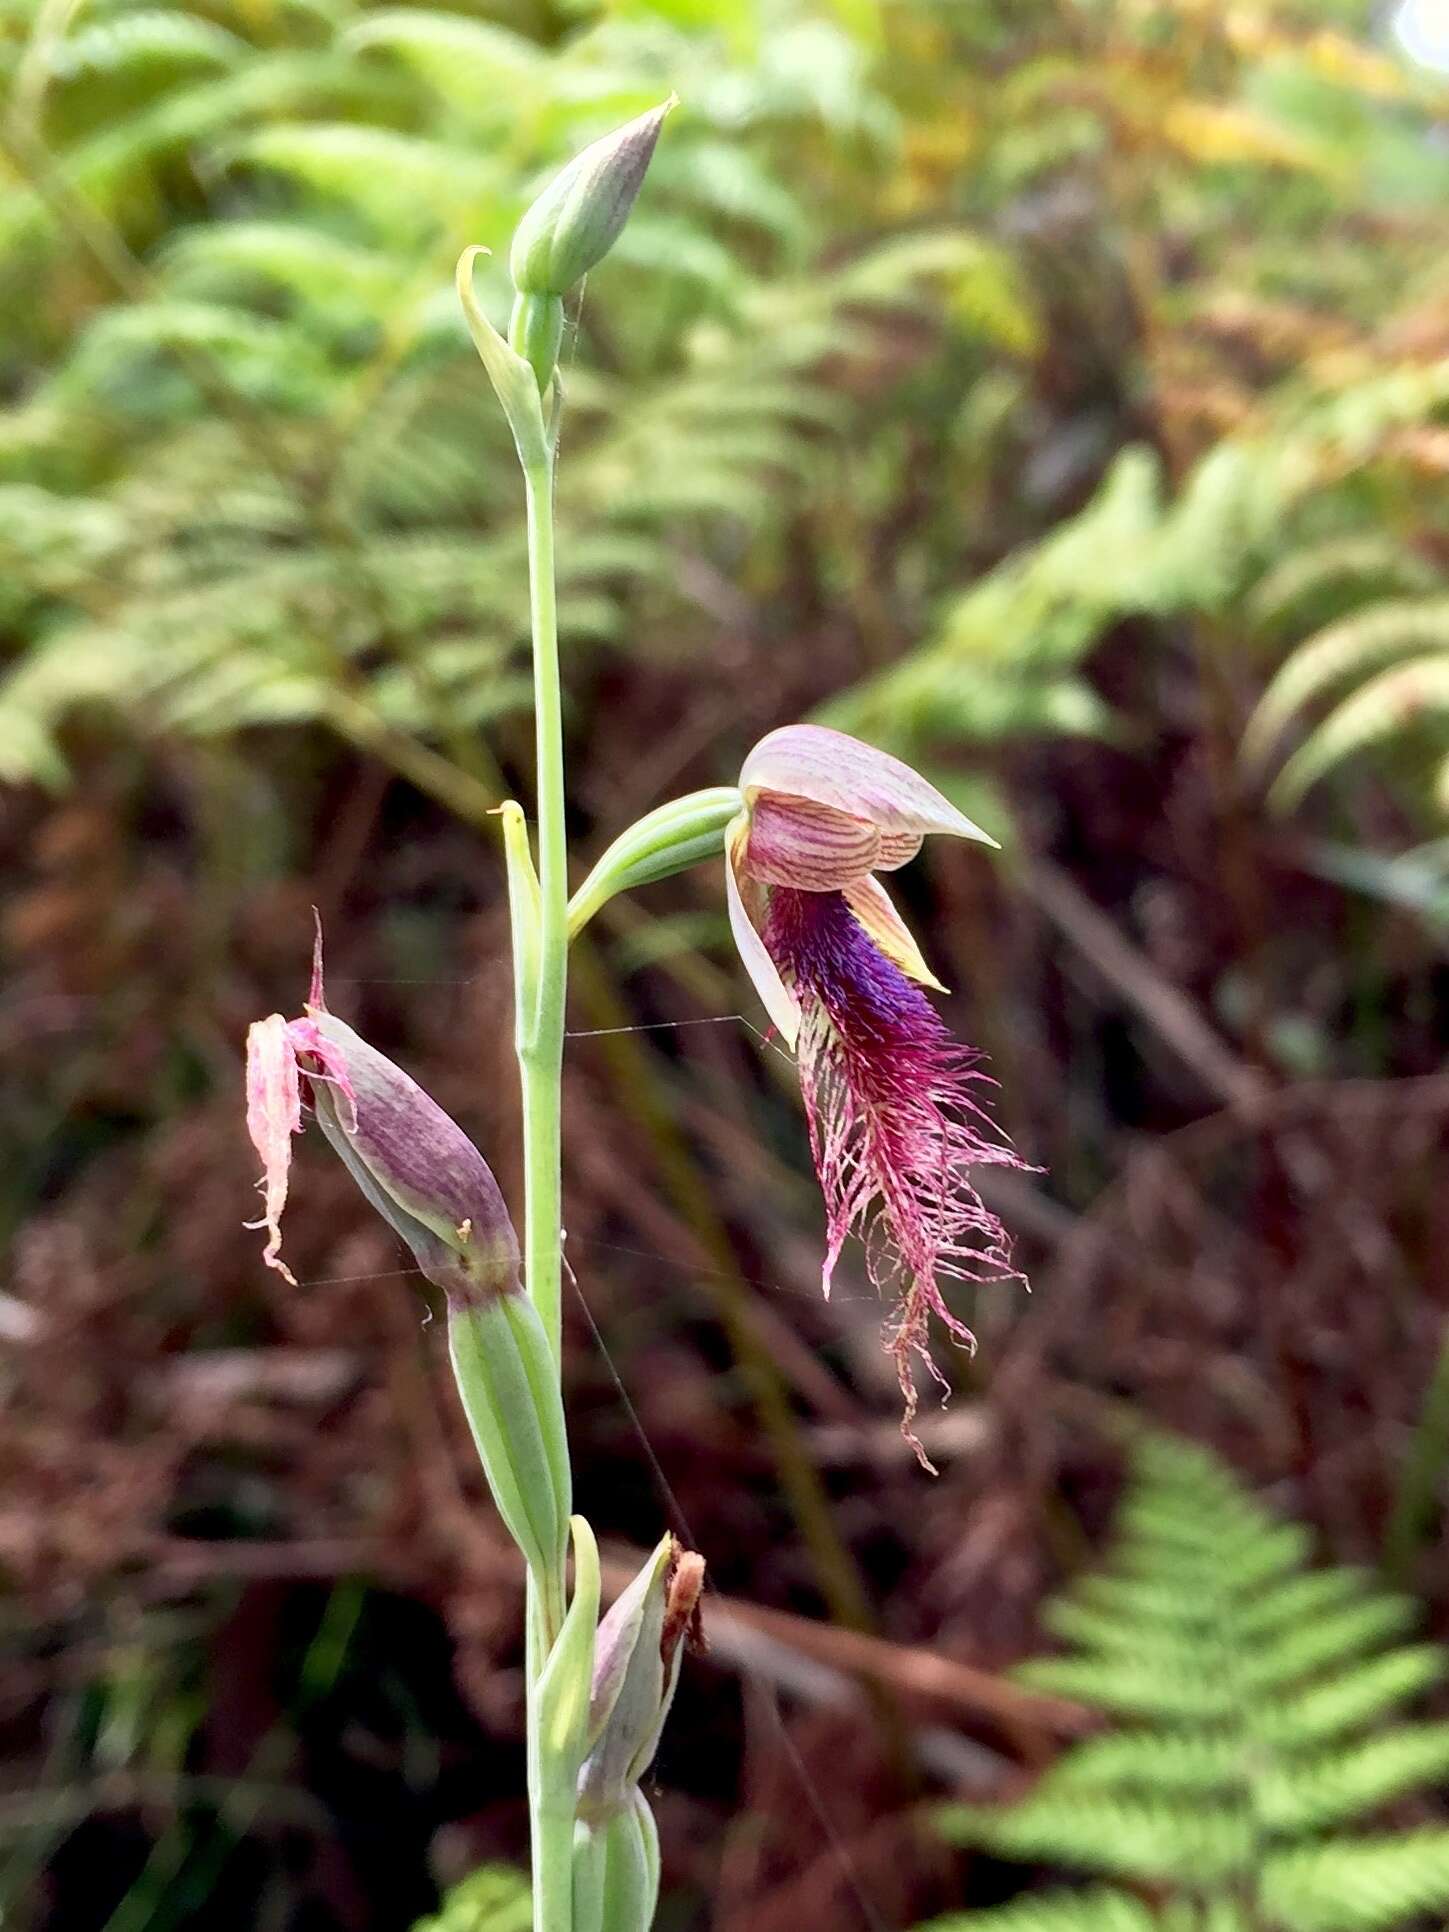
(1250, 1700)
(1055, 390)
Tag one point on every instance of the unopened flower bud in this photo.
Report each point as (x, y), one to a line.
(616, 1870)
(576, 220)
(411, 1160)
(637, 1654)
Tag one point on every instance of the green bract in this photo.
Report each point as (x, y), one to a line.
(504, 1370)
(616, 1870)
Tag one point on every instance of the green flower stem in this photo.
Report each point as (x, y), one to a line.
(540, 987)
(541, 1031)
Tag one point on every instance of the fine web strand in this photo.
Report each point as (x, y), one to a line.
(837, 1846)
(839, 1849)
(575, 1033)
(667, 1261)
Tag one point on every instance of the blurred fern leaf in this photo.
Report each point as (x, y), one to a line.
(1256, 1709)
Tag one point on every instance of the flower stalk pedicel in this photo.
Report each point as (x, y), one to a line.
(667, 840)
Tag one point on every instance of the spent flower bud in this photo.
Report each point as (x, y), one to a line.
(637, 1654)
(428, 1181)
(577, 219)
(411, 1160)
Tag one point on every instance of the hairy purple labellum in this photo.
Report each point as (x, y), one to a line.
(895, 1125)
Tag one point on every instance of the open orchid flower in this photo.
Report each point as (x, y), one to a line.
(895, 1125)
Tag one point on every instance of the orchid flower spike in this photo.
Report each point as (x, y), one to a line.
(412, 1161)
(890, 1095)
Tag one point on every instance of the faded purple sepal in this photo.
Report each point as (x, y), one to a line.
(895, 1127)
(411, 1160)
(274, 1109)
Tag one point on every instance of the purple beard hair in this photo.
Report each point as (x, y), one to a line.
(894, 1128)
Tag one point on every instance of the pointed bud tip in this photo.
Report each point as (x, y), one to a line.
(316, 997)
(577, 219)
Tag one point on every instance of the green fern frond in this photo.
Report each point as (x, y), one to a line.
(1253, 1696)
(133, 358)
(297, 259)
(1357, 1884)
(1144, 1838)
(1298, 1598)
(1091, 1911)
(145, 37)
(1132, 1687)
(395, 182)
(1364, 642)
(1338, 1637)
(1330, 1787)
(729, 183)
(1204, 1762)
(1331, 1709)
(1386, 707)
(487, 70)
(1336, 571)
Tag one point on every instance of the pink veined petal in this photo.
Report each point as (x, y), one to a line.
(308, 1037)
(274, 1114)
(274, 1109)
(795, 842)
(836, 770)
(871, 904)
(897, 849)
(778, 1002)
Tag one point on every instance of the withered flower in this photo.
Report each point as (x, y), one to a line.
(411, 1160)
